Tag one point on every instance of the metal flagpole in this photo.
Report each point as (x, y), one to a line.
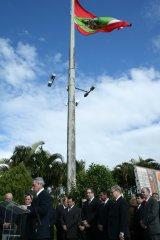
(71, 149)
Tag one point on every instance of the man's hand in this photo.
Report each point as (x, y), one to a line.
(6, 225)
(64, 227)
(143, 225)
(121, 236)
(100, 227)
(85, 223)
(82, 228)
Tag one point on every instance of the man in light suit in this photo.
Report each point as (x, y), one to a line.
(40, 212)
(150, 221)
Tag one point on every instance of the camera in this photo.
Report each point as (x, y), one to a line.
(51, 80)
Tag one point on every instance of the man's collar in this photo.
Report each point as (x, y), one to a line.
(148, 198)
(72, 206)
(39, 191)
(118, 197)
(106, 200)
(69, 208)
(90, 200)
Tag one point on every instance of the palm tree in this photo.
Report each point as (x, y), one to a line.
(39, 162)
(49, 166)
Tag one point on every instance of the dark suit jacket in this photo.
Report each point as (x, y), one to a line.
(118, 219)
(138, 216)
(40, 216)
(151, 216)
(103, 211)
(59, 213)
(103, 214)
(90, 211)
(72, 220)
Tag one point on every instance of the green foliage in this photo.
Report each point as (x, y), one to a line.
(39, 163)
(21, 154)
(17, 181)
(124, 175)
(148, 163)
(97, 177)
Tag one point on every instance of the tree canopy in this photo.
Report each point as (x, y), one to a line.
(17, 181)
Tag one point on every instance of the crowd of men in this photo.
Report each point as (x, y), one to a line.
(105, 218)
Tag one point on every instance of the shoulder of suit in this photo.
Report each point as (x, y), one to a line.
(110, 202)
(122, 200)
(59, 207)
(151, 199)
(44, 193)
(75, 207)
(95, 200)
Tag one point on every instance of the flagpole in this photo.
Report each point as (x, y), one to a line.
(71, 149)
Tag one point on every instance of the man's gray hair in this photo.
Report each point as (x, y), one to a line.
(39, 180)
(148, 190)
(116, 188)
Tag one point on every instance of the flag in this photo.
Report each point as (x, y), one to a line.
(87, 23)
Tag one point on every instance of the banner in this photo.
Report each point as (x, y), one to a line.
(146, 177)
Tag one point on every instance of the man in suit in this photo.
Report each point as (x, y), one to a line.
(137, 217)
(156, 196)
(118, 228)
(40, 212)
(59, 213)
(150, 221)
(103, 213)
(71, 220)
(89, 215)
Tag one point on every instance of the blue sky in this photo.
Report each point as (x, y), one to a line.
(120, 120)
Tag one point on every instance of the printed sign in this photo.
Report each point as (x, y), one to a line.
(146, 177)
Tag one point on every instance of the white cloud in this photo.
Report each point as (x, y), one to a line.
(121, 120)
(17, 64)
(118, 121)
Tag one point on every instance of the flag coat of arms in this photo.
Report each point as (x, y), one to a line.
(87, 23)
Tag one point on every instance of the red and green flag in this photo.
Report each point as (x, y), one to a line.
(87, 23)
